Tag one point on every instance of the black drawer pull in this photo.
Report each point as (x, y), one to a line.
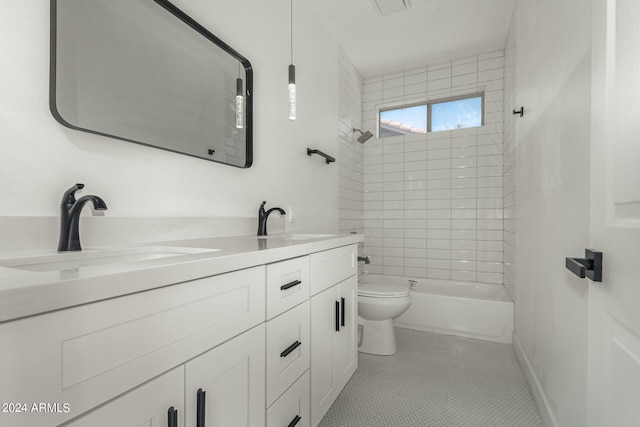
(337, 316)
(290, 285)
(172, 417)
(295, 421)
(200, 407)
(342, 312)
(289, 349)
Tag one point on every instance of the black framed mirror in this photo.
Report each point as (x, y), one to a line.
(144, 71)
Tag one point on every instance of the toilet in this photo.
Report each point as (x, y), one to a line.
(378, 305)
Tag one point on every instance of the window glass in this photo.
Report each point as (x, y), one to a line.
(458, 114)
(403, 121)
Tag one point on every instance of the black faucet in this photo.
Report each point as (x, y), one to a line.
(70, 209)
(262, 218)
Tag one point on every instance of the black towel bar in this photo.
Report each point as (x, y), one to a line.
(327, 157)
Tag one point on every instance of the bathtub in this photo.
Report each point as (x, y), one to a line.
(475, 310)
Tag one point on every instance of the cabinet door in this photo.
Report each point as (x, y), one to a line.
(324, 322)
(232, 377)
(147, 405)
(345, 347)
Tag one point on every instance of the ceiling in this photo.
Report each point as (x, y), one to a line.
(430, 31)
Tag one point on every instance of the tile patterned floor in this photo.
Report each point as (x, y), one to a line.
(436, 380)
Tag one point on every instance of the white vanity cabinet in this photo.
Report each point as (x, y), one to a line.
(334, 356)
(268, 345)
(87, 355)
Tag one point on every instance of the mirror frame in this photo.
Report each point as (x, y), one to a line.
(178, 13)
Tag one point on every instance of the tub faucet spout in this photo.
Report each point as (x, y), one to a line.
(365, 259)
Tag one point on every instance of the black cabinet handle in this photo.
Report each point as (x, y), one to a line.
(337, 316)
(590, 266)
(172, 417)
(342, 312)
(289, 349)
(290, 285)
(295, 421)
(200, 409)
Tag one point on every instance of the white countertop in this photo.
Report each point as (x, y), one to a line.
(26, 293)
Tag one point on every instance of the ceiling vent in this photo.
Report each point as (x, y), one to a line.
(387, 7)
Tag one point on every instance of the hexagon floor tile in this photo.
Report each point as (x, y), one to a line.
(436, 380)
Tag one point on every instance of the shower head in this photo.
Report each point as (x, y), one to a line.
(364, 136)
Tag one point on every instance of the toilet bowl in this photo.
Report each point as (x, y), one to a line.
(378, 305)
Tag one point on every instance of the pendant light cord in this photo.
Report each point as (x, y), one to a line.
(291, 16)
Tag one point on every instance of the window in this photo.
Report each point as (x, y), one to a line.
(447, 114)
(403, 121)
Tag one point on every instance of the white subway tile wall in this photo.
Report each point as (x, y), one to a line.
(433, 203)
(510, 99)
(349, 160)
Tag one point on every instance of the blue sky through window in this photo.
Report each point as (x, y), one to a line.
(463, 113)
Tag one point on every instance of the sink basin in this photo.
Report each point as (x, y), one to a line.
(309, 236)
(296, 236)
(91, 258)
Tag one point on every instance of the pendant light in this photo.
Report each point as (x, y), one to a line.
(239, 101)
(292, 77)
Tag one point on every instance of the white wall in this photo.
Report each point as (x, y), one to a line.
(433, 202)
(552, 44)
(40, 158)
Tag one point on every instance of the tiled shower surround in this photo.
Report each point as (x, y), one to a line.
(433, 203)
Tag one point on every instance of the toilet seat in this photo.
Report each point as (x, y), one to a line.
(382, 290)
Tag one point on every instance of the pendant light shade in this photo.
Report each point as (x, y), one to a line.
(239, 104)
(292, 77)
(292, 92)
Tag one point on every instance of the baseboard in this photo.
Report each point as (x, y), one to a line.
(538, 394)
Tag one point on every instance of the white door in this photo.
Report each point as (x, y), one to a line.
(614, 304)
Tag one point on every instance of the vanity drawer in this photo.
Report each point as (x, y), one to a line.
(331, 267)
(89, 354)
(287, 285)
(288, 349)
(292, 404)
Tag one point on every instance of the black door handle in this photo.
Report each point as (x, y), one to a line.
(590, 266)
(337, 316)
(295, 421)
(342, 312)
(172, 417)
(290, 285)
(289, 349)
(200, 407)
